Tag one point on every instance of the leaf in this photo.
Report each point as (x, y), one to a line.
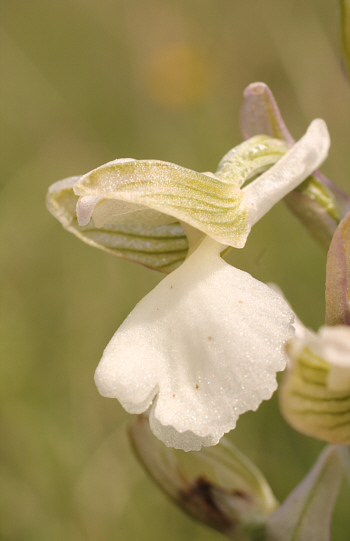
(306, 514)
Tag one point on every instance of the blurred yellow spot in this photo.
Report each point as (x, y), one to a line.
(178, 76)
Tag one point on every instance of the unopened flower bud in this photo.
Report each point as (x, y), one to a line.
(218, 486)
(315, 394)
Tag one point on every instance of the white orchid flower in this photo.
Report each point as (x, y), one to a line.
(205, 345)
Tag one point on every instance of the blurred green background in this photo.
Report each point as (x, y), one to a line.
(84, 82)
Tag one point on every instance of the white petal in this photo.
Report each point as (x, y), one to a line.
(208, 341)
(295, 166)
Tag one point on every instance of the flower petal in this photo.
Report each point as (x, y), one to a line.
(318, 203)
(161, 247)
(260, 114)
(250, 158)
(207, 341)
(295, 166)
(217, 208)
(311, 214)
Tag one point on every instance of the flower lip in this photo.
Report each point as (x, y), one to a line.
(193, 342)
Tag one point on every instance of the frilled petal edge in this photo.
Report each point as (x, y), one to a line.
(202, 348)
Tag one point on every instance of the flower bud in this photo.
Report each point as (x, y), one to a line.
(315, 394)
(218, 486)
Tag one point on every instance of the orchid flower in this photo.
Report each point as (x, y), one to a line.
(205, 345)
(315, 394)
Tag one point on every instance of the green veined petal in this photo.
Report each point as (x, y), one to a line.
(310, 405)
(250, 158)
(214, 207)
(162, 247)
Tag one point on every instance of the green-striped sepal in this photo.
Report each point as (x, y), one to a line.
(133, 208)
(161, 247)
(315, 394)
